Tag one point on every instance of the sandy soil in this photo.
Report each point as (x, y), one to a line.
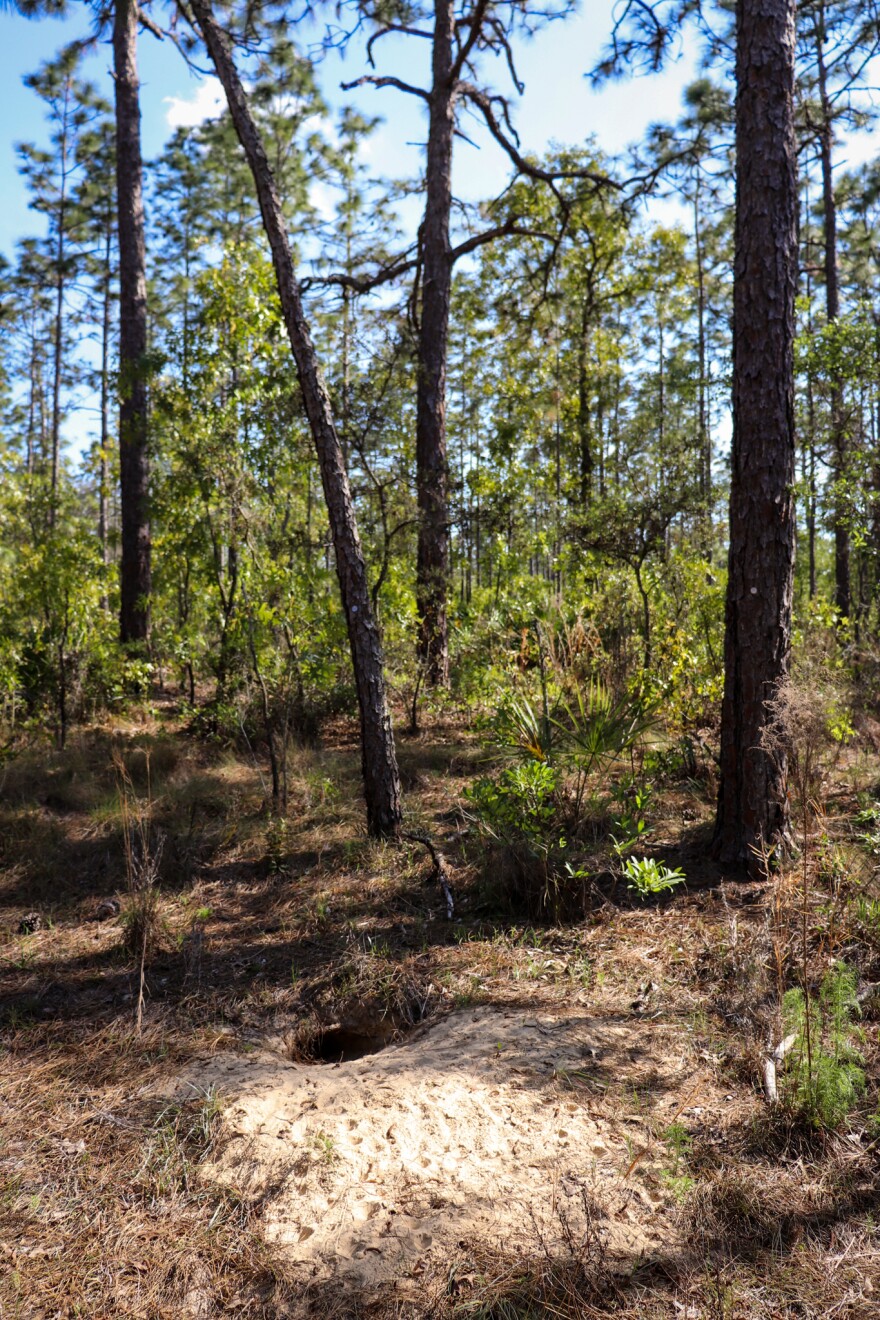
(499, 1124)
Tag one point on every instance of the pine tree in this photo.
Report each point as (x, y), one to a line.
(752, 803)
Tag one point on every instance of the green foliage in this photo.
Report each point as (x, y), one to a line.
(648, 877)
(597, 729)
(517, 805)
(520, 731)
(824, 1077)
(631, 824)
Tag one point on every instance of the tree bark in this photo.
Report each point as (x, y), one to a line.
(378, 756)
(752, 803)
(134, 468)
(432, 569)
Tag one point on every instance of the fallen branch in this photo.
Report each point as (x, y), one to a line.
(772, 1060)
(440, 873)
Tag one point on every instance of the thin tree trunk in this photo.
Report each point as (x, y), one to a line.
(134, 471)
(58, 323)
(704, 438)
(752, 803)
(58, 338)
(378, 757)
(432, 569)
(585, 420)
(34, 386)
(103, 519)
(809, 440)
(839, 445)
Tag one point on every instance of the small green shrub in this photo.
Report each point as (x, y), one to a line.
(648, 877)
(518, 813)
(631, 825)
(518, 805)
(824, 1077)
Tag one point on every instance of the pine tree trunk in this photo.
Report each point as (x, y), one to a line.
(134, 470)
(704, 435)
(839, 441)
(752, 805)
(585, 420)
(103, 484)
(378, 756)
(432, 570)
(58, 348)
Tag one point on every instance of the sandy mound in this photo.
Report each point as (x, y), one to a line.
(495, 1123)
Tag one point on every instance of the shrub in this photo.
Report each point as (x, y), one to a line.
(519, 805)
(824, 1077)
(648, 877)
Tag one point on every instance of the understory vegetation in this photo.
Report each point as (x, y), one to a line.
(421, 624)
(156, 911)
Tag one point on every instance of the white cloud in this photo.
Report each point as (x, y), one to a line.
(324, 199)
(206, 102)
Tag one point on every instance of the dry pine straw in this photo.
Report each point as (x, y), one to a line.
(106, 1206)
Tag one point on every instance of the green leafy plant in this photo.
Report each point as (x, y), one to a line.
(677, 1140)
(522, 732)
(647, 876)
(596, 729)
(518, 814)
(517, 805)
(325, 1146)
(631, 823)
(824, 1076)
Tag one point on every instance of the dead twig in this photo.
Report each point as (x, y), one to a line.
(440, 873)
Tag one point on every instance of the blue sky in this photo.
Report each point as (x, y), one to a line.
(558, 103)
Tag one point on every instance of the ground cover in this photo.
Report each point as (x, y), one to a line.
(288, 1085)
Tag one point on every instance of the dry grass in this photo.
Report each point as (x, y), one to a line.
(102, 1209)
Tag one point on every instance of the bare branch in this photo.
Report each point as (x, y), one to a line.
(386, 81)
(362, 283)
(511, 226)
(393, 27)
(505, 46)
(474, 23)
(484, 104)
(146, 22)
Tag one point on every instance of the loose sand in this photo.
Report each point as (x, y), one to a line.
(500, 1124)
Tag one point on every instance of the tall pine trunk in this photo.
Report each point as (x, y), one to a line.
(839, 440)
(134, 470)
(103, 471)
(432, 571)
(752, 805)
(378, 756)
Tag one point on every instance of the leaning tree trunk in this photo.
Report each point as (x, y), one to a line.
(752, 806)
(134, 469)
(378, 757)
(432, 570)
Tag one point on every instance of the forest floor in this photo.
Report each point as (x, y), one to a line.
(326, 1099)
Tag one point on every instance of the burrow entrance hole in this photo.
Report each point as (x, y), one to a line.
(340, 1042)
